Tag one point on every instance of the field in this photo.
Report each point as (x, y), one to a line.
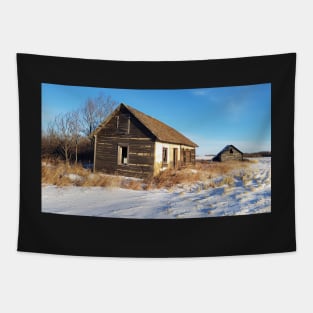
(208, 190)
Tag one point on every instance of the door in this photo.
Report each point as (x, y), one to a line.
(175, 157)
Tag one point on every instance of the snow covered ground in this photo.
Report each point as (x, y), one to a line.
(247, 196)
(207, 157)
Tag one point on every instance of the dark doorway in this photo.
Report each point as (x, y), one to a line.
(175, 157)
(122, 154)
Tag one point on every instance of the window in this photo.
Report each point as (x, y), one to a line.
(122, 155)
(231, 151)
(187, 156)
(117, 121)
(164, 156)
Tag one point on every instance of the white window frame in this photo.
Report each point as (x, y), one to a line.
(120, 147)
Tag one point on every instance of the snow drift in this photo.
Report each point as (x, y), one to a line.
(249, 193)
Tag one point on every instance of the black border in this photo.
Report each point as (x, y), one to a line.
(91, 236)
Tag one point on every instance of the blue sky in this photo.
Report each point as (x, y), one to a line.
(211, 117)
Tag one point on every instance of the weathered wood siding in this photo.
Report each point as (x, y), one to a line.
(124, 130)
(228, 156)
(188, 155)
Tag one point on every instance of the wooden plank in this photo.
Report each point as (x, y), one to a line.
(127, 131)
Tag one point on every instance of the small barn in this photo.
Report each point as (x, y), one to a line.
(229, 153)
(131, 143)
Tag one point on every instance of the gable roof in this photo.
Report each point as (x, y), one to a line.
(161, 131)
(227, 148)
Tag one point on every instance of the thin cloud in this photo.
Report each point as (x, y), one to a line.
(200, 92)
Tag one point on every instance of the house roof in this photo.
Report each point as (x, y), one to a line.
(161, 131)
(227, 148)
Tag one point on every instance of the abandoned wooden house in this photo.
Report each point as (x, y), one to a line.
(230, 152)
(131, 143)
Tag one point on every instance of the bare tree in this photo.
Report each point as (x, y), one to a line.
(75, 130)
(62, 127)
(49, 141)
(71, 131)
(95, 111)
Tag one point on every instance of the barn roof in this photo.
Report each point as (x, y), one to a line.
(226, 148)
(160, 130)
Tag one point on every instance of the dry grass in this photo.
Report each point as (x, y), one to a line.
(55, 174)
(133, 184)
(220, 168)
(101, 180)
(61, 174)
(246, 175)
(227, 180)
(251, 160)
(171, 177)
(202, 172)
(58, 173)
